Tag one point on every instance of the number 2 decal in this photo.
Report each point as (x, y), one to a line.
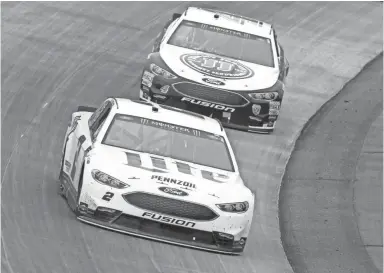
(108, 196)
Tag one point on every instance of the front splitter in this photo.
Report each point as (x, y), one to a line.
(140, 234)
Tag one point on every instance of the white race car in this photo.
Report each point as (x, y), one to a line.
(156, 172)
(221, 65)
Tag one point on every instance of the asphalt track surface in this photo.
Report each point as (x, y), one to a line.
(56, 56)
(325, 211)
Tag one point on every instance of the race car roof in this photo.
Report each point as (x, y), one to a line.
(168, 114)
(228, 20)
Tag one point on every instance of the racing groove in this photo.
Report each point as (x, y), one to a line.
(56, 56)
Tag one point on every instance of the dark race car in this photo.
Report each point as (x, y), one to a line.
(221, 65)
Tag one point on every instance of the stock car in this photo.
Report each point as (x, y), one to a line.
(156, 172)
(218, 64)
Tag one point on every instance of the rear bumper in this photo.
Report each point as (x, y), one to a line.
(161, 232)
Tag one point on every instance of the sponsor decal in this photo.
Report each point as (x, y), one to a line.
(67, 165)
(272, 118)
(133, 177)
(173, 191)
(174, 181)
(227, 115)
(88, 201)
(216, 66)
(212, 81)
(165, 126)
(170, 127)
(158, 96)
(225, 31)
(146, 96)
(274, 105)
(167, 219)
(164, 89)
(209, 104)
(147, 78)
(256, 109)
(274, 112)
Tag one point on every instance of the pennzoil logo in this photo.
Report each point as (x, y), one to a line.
(167, 219)
(216, 66)
(174, 181)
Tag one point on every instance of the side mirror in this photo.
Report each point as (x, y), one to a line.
(175, 16)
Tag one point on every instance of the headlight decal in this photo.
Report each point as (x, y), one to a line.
(162, 72)
(238, 207)
(108, 180)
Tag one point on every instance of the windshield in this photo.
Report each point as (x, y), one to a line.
(224, 42)
(168, 140)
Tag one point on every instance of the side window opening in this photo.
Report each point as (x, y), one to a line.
(161, 36)
(276, 43)
(169, 26)
(98, 118)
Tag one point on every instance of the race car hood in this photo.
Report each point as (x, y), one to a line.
(235, 75)
(138, 168)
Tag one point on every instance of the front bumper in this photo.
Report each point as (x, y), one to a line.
(257, 116)
(243, 120)
(224, 232)
(166, 233)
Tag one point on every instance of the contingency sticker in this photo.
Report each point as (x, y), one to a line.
(147, 78)
(87, 199)
(274, 105)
